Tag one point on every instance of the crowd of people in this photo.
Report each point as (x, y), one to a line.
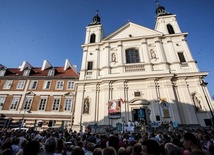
(68, 142)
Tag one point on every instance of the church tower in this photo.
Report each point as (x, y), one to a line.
(94, 32)
(94, 36)
(166, 22)
(176, 51)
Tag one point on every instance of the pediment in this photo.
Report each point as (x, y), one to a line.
(30, 94)
(139, 101)
(69, 94)
(132, 30)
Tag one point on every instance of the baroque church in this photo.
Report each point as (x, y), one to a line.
(138, 73)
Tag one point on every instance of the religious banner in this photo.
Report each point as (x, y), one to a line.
(141, 113)
(165, 109)
(114, 108)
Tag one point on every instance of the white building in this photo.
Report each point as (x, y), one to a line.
(147, 74)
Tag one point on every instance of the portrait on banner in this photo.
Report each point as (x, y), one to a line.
(114, 108)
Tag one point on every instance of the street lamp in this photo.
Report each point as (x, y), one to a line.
(23, 116)
(203, 85)
(149, 112)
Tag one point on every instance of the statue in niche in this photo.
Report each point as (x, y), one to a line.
(113, 57)
(86, 106)
(153, 54)
(197, 102)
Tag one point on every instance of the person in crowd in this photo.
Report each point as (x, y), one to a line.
(171, 149)
(89, 149)
(191, 143)
(80, 144)
(121, 151)
(31, 148)
(77, 151)
(7, 145)
(7, 152)
(129, 150)
(109, 151)
(50, 146)
(22, 146)
(98, 151)
(60, 148)
(15, 146)
(150, 147)
(137, 149)
(211, 149)
(113, 142)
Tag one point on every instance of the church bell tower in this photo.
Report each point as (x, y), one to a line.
(91, 49)
(94, 31)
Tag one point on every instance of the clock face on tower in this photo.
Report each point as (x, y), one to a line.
(95, 20)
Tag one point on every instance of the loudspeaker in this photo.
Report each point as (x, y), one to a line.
(208, 122)
(157, 118)
(50, 124)
(40, 124)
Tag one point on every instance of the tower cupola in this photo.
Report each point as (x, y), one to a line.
(94, 31)
(96, 20)
(160, 11)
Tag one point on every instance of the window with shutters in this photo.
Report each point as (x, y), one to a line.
(14, 103)
(2, 100)
(20, 84)
(70, 85)
(2, 72)
(59, 85)
(56, 104)
(33, 84)
(42, 103)
(51, 72)
(47, 85)
(26, 72)
(28, 103)
(7, 84)
(68, 103)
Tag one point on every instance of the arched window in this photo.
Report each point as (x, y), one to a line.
(93, 38)
(170, 29)
(132, 56)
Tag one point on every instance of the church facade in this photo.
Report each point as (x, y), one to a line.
(138, 73)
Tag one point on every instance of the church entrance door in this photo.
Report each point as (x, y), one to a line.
(138, 114)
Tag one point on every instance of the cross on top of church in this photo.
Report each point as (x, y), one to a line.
(157, 2)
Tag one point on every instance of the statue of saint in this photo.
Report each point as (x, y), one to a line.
(86, 106)
(197, 102)
(113, 57)
(153, 54)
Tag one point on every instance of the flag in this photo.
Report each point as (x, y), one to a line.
(121, 100)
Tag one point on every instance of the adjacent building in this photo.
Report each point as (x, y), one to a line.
(38, 97)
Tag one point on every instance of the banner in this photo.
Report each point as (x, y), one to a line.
(140, 113)
(114, 108)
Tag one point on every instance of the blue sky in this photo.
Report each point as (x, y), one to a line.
(54, 30)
